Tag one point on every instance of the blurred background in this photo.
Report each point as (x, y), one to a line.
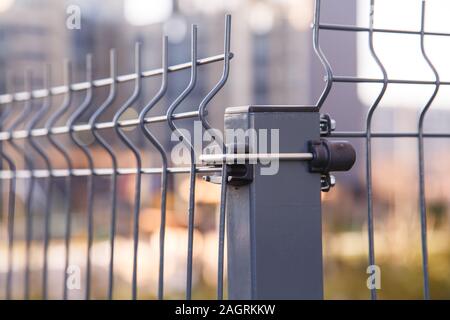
(274, 63)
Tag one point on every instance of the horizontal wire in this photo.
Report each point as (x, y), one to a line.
(40, 132)
(23, 174)
(338, 27)
(42, 93)
(379, 80)
(363, 134)
(213, 158)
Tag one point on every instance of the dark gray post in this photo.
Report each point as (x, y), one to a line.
(274, 223)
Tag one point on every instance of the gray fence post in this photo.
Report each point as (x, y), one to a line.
(274, 223)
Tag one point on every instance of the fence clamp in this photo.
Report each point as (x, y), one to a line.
(328, 156)
(239, 173)
(324, 157)
(327, 124)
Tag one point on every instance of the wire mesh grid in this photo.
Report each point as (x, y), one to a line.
(24, 136)
(368, 134)
(31, 133)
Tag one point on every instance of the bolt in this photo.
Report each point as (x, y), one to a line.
(332, 180)
(333, 124)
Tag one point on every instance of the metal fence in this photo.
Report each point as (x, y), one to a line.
(36, 104)
(274, 244)
(368, 134)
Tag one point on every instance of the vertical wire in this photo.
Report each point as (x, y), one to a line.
(11, 214)
(122, 136)
(226, 70)
(221, 249)
(192, 172)
(92, 121)
(90, 178)
(67, 180)
(323, 60)
(48, 186)
(422, 200)
(29, 192)
(6, 112)
(162, 90)
(29, 196)
(207, 126)
(370, 224)
(11, 208)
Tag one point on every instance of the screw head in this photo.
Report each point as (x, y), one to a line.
(333, 124)
(332, 180)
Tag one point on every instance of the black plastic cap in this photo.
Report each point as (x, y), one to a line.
(331, 156)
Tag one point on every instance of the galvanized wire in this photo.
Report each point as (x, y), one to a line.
(11, 209)
(48, 188)
(104, 144)
(74, 117)
(50, 174)
(370, 114)
(422, 202)
(154, 141)
(368, 134)
(135, 151)
(192, 173)
(26, 111)
(206, 126)
(30, 174)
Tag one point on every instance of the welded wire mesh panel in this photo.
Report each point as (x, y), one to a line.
(50, 148)
(74, 229)
(380, 85)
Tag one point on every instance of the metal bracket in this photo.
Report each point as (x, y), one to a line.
(324, 156)
(327, 125)
(239, 171)
(238, 175)
(327, 181)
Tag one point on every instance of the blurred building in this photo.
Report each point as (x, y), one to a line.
(29, 37)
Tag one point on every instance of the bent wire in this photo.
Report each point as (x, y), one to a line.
(134, 149)
(51, 122)
(40, 115)
(202, 114)
(370, 113)
(104, 144)
(37, 108)
(27, 108)
(89, 179)
(154, 141)
(192, 173)
(11, 207)
(422, 200)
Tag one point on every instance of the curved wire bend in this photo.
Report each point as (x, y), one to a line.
(89, 179)
(207, 126)
(65, 154)
(226, 70)
(11, 207)
(323, 60)
(184, 139)
(123, 137)
(46, 105)
(29, 192)
(162, 90)
(103, 143)
(370, 113)
(422, 200)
